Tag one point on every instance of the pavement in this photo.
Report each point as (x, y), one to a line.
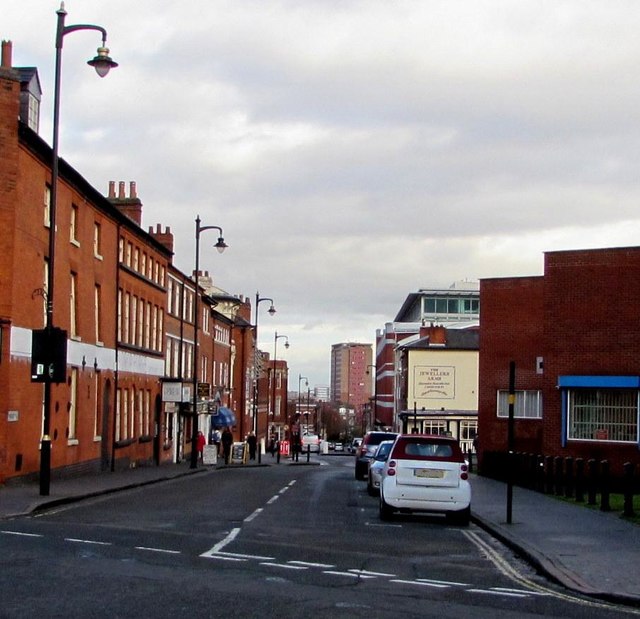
(588, 551)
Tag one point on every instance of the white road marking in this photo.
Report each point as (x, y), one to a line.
(309, 564)
(254, 515)
(21, 534)
(284, 566)
(444, 582)
(490, 592)
(509, 590)
(273, 499)
(420, 583)
(161, 550)
(349, 574)
(87, 541)
(366, 573)
(221, 544)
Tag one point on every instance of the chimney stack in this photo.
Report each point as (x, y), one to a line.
(129, 206)
(166, 237)
(7, 53)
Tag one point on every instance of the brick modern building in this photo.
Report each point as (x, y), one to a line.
(574, 338)
(351, 377)
(456, 307)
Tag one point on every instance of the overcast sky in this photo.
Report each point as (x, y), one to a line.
(353, 151)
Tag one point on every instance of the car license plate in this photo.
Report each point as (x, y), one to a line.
(429, 473)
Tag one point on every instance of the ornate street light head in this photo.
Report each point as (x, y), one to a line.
(221, 245)
(271, 310)
(102, 63)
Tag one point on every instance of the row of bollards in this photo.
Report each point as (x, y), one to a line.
(577, 479)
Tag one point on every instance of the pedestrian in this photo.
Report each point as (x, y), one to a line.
(227, 442)
(215, 439)
(200, 445)
(252, 441)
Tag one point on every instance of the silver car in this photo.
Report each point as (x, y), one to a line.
(376, 466)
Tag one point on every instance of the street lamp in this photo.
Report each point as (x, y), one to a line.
(276, 337)
(306, 384)
(102, 64)
(375, 391)
(220, 246)
(271, 311)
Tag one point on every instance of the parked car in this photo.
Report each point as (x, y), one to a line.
(367, 448)
(354, 444)
(425, 473)
(311, 442)
(338, 447)
(375, 467)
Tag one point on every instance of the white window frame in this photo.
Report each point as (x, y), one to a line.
(527, 404)
(604, 421)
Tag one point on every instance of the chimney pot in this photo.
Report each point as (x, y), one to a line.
(7, 48)
(132, 190)
(121, 194)
(112, 189)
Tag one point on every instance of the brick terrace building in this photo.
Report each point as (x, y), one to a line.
(574, 337)
(127, 313)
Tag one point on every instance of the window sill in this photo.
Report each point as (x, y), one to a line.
(124, 442)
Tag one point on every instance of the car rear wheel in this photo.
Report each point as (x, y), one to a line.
(370, 490)
(386, 513)
(461, 517)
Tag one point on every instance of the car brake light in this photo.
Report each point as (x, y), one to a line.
(463, 472)
(391, 471)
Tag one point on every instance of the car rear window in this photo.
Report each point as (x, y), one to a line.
(377, 438)
(426, 449)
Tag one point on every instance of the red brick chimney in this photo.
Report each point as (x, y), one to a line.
(129, 206)
(437, 334)
(7, 49)
(166, 237)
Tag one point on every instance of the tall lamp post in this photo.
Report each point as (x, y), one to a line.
(220, 246)
(102, 64)
(306, 384)
(271, 311)
(375, 391)
(276, 337)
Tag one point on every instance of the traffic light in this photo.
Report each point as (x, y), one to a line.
(49, 355)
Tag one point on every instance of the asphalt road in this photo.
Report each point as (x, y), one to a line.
(278, 541)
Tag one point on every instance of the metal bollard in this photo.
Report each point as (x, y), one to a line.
(579, 480)
(540, 473)
(548, 467)
(629, 469)
(308, 452)
(592, 481)
(559, 475)
(278, 453)
(605, 489)
(568, 477)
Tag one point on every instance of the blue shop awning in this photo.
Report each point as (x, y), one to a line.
(223, 417)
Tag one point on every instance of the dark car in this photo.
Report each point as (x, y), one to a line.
(367, 450)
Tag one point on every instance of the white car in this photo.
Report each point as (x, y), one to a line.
(426, 473)
(311, 442)
(376, 466)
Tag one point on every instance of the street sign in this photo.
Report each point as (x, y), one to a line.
(204, 390)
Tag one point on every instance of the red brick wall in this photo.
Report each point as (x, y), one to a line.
(581, 317)
(510, 330)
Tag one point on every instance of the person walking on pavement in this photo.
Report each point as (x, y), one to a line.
(252, 441)
(200, 445)
(227, 442)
